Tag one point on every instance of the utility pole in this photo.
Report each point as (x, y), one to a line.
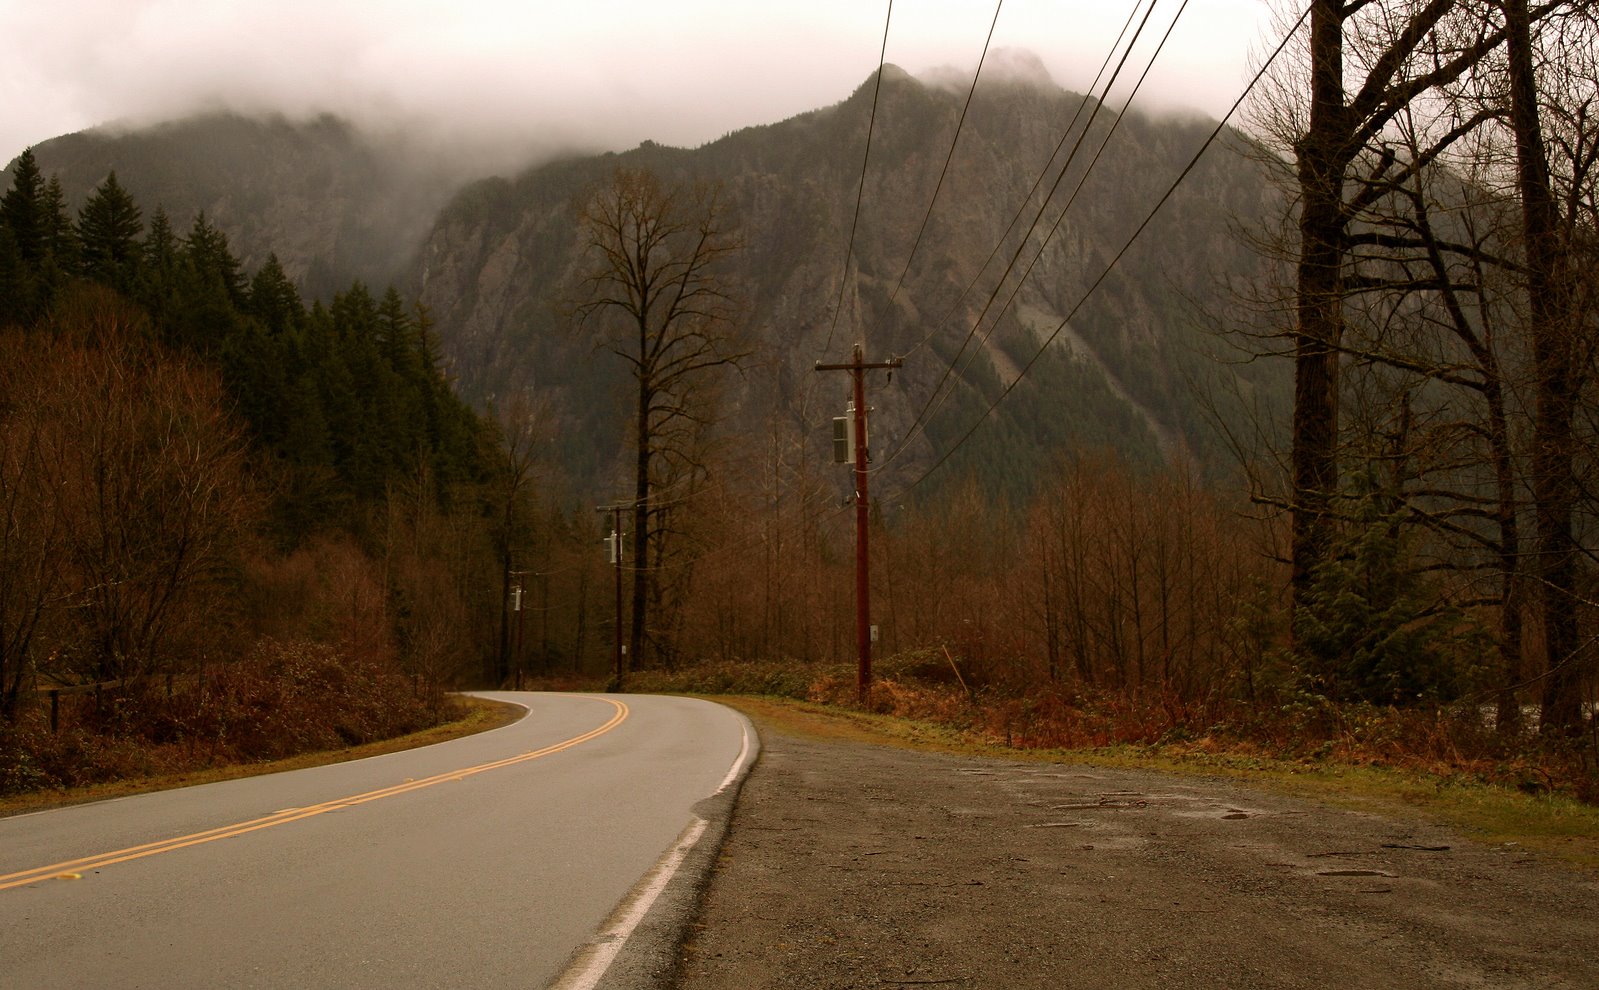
(863, 609)
(518, 596)
(614, 545)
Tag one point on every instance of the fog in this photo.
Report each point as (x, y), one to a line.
(501, 84)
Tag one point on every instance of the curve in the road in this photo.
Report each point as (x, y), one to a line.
(68, 868)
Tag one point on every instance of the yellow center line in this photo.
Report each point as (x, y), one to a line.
(288, 815)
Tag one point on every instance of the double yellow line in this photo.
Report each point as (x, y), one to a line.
(71, 867)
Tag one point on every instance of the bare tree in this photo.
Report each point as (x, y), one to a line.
(32, 527)
(1557, 368)
(520, 424)
(157, 498)
(657, 298)
(1403, 50)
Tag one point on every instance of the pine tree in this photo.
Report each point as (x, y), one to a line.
(158, 271)
(61, 252)
(206, 308)
(109, 227)
(273, 299)
(211, 260)
(22, 210)
(29, 270)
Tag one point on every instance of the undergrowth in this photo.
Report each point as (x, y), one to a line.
(1453, 743)
(282, 700)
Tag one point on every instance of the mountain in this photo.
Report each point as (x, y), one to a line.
(335, 203)
(498, 270)
(496, 262)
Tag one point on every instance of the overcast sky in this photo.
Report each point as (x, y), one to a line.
(512, 78)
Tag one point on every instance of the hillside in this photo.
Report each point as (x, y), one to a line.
(334, 203)
(498, 270)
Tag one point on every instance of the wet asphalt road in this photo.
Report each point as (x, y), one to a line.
(482, 862)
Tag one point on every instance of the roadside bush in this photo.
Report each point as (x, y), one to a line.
(762, 677)
(281, 700)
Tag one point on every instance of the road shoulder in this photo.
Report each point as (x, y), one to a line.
(854, 865)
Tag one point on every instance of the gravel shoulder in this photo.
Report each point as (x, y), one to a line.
(856, 865)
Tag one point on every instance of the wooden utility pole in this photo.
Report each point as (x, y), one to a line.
(614, 541)
(518, 605)
(863, 588)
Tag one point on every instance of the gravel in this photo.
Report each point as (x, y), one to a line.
(853, 865)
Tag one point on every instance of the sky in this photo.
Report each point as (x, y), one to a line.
(507, 81)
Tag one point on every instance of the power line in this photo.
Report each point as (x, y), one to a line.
(860, 191)
(939, 186)
(1048, 236)
(1043, 174)
(938, 389)
(1119, 254)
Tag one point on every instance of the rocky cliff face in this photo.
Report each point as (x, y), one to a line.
(501, 258)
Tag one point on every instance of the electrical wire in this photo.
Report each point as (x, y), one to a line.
(1049, 236)
(1220, 126)
(849, 249)
(1042, 175)
(939, 186)
(860, 191)
(809, 502)
(938, 389)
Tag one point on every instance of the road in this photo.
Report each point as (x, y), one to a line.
(482, 862)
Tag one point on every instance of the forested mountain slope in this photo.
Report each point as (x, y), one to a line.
(335, 204)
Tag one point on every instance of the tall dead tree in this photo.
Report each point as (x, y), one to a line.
(657, 297)
(1406, 56)
(1556, 382)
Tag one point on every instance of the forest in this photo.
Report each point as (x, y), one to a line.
(217, 499)
(234, 526)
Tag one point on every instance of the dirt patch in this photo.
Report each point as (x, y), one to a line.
(856, 865)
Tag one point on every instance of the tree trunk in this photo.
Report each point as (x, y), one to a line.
(641, 529)
(1549, 299)
(1322, 158)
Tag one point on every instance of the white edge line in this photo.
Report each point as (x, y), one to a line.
(586, 972)
(738, 764)
(589, 968)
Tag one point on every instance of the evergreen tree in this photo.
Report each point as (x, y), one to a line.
(1371, 627)
(60, 260)
(211, 259)
(273, 299)
(22, 210)
(158, 271)
(109, 227)
(396, 335)
(14, 281)
(206, 309)
(253, 368)
(35, 247)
